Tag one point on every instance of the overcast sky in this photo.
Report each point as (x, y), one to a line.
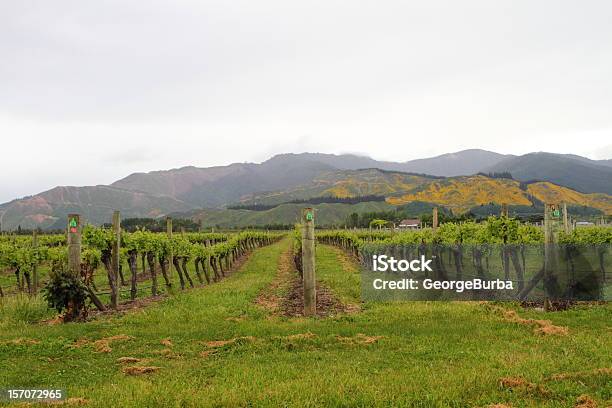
(91, 91)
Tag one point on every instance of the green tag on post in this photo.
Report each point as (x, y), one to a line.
(73, 223)
(308, 216)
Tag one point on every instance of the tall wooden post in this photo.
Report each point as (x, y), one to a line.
(308, 262)
(74, 243)
(115, 258)
(566, 224)
(35, 267)
(552, 217)
(435, 218)
(169, 232)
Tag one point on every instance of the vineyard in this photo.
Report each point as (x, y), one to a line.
(501, 248)
(146, 258)
(201, 257)
(223, 328)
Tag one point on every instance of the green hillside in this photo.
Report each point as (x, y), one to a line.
(287, 214)
(345, 183)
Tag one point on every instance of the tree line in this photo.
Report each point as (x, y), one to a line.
(313, 200)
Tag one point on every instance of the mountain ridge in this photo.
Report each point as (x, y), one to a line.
(186, 188)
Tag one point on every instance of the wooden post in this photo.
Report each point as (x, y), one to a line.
(308, 262)
(35, 267)
(566, 224)
(504, 210)
(170, 255)
(74, 244)
(552, 215)
(435, 218)
(115, 258)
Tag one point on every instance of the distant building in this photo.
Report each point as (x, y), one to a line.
(410, 224)
(583, 223)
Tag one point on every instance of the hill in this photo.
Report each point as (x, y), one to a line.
(463, 193)
(346, 183)
(217, 186)
(465, 162)
(285, 214)
(95, 203)
(457, 193)
(577, 173)
(288, 177)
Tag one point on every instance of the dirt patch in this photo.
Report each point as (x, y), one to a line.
(285, 295)
(359, 338)
(103, 345)
(129, 360)
(550, 329)
(520, 384)
(515, 382)
(543, 327)
(584, 401)
(166, 342)
(558, 305)
(218, 343)
(140, 370)
(499, 406)
(21, 341)
(301, 336)
(222, 343)
(328, 303)
(581, 374)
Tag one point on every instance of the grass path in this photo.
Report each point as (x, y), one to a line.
(215, 346)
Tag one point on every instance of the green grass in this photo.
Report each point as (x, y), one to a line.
(431, 353)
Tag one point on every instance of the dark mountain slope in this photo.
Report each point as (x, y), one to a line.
(579, 174)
